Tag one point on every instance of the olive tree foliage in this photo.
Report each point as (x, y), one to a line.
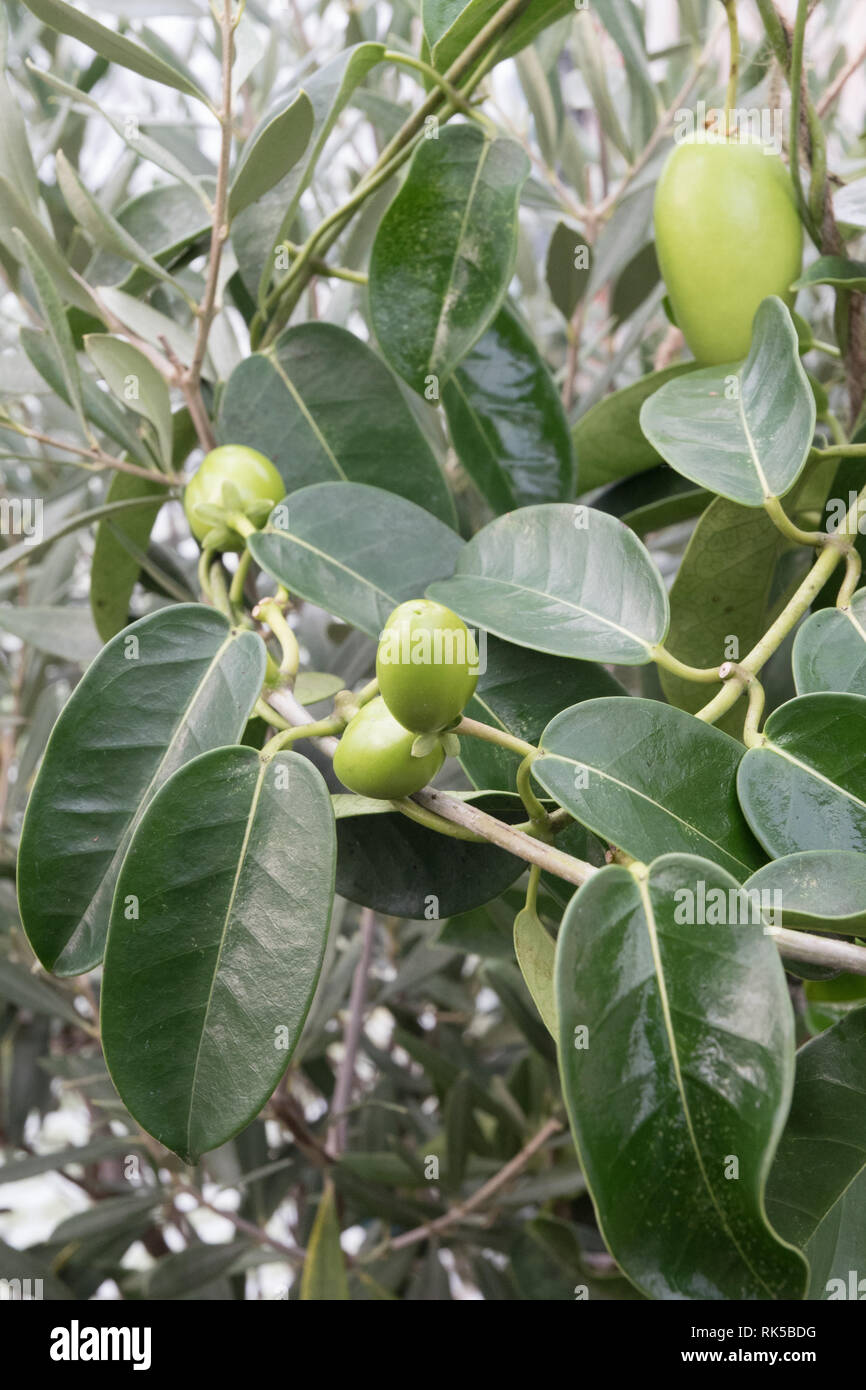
(582, 1019)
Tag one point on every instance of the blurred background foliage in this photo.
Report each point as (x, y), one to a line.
(453, 1067)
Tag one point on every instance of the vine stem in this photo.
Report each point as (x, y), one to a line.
(534, 808)
(780, 519)
(853, 570)
(794, 944)
(456, 97)
(269, 611)
(701, 674)
(790, 615)
(319, 267)
(489, 734)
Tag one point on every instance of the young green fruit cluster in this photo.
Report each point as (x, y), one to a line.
(728, 234)
(426, 666)
(374, 755)
(253, 477)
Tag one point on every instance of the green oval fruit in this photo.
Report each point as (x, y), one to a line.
(426, 666)
(254, 476)
(374, 756)
(728, 234)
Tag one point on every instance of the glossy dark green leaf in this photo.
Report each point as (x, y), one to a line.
(833, 270)
(561, 579)
(830, 998)
(392, 864)
(354, 550)
(816, 1196)
(172, 685)
(69, 19)
(324, 1274)
(445, 252)
(743, 430)
(569, 260)
(819, 890)
(507, 422)
(830, 650)
(450, 25)
(650, 779)
(608, 440)
(258, 230)
(721, 592)
(677, 1061)
(217, 936)
(482, 931)
(114, 569)
(324, 408)
(520, 691)
(653, 500)
(272, 154)
(804, 787)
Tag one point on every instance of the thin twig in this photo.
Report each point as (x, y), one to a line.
(97, 459)
(255, 1233)
(482, 1194)
(354, 1024)
(842, 76)
(662, 126)
(190, 380)
(795, 945)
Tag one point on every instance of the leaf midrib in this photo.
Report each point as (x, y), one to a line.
(642, 885)
(644, 796)
(540, 593)
(257, 791)
(147, 794)
(449, 284)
